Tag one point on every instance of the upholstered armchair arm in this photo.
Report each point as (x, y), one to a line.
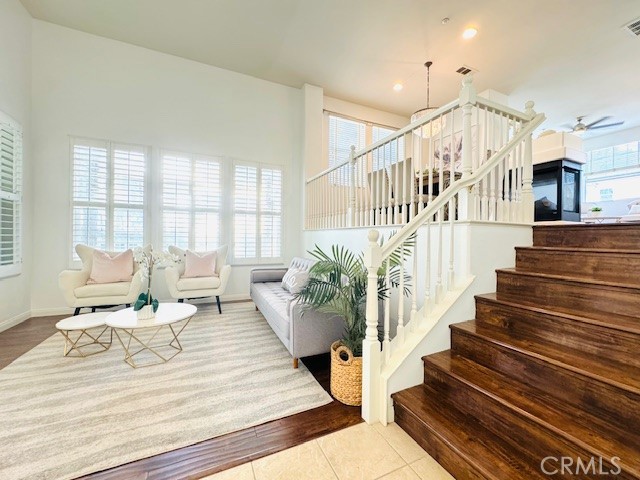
(69, 280)
(225, 273)
(136, 285)
(172, 275)
(260, 275)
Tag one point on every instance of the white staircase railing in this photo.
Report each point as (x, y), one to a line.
(489, 180)
(394, 179)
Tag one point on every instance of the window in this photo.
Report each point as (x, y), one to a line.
(613, 173)
(257, 212)
(191, 201)
(108, 194)
(613, 158)
(10, 197)
(344, 132)
(391, 153)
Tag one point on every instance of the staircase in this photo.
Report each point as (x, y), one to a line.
(549, 369)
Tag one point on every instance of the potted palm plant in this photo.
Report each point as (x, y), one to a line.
(338, 285)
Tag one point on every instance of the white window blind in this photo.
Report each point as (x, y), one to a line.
(191, 201)
(10, 198)
(257, 212)
(108, 194)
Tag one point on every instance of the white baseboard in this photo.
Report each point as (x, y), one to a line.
(48, 312)
(12, 322)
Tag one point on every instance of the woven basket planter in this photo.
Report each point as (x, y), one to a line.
(346, 375)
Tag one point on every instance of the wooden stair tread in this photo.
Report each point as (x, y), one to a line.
(597, 437)
(582, 251)
(616, 322)
(617, 374)
(570, 279)
(480, 448)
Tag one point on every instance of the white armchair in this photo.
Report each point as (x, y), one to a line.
(78, 294)
(190, 288)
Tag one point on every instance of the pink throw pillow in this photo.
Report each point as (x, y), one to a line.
(108, 269)
(200, 265)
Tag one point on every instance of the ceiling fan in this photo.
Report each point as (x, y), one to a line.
(579, 128)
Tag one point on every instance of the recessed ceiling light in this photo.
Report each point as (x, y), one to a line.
(469, 32)
(398, 86)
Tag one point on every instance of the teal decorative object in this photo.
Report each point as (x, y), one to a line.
(146, 299)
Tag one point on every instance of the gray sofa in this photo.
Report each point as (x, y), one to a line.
(303, 335)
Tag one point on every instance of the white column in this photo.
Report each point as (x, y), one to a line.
(371, 357)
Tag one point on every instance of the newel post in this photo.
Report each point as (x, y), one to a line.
(468, 98)
(351, 211)
(527, 171)
(371, 356)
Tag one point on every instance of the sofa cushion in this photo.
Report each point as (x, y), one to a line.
(274, 304)
(103, 290)
(198, 283)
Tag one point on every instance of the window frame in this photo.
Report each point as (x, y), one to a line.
(17, 198)
(110, 205)
(258, 259)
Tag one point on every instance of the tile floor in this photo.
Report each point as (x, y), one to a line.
(362, 452)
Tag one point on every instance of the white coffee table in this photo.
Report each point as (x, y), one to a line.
(77, 327)
(138, 336)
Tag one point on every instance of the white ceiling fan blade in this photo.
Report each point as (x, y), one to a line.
(592, 124)
(606, 126)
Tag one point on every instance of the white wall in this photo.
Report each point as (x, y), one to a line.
(91, 86)
(15, 86)
(612, 139)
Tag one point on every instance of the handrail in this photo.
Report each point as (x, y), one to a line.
(328, 171)
(405, 232)
(497, 107)
(389, 138)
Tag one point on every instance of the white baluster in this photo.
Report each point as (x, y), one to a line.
(351, 175)
(500, 179)
(406, 204)
(527, 172)
(421, 168)
(390, 191)
(414, 288)
(386, 344)
(484, 201)
(400, 331)
(439, 287)
(427, 281)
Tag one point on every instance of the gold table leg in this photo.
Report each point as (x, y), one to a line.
(134, 345)
(71, 345)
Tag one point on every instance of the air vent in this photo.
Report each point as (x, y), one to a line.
(465, 69)
(633, 27)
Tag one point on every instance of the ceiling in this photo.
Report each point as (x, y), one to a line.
(572, 58)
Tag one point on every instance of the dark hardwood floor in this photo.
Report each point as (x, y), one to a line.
(216, 454)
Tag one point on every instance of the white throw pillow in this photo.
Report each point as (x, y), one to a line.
(106, 268)
(200, 264)
(295, 280)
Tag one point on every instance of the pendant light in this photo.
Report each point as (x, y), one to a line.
(434, 127)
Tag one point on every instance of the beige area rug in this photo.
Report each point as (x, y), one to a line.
(65, 417)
